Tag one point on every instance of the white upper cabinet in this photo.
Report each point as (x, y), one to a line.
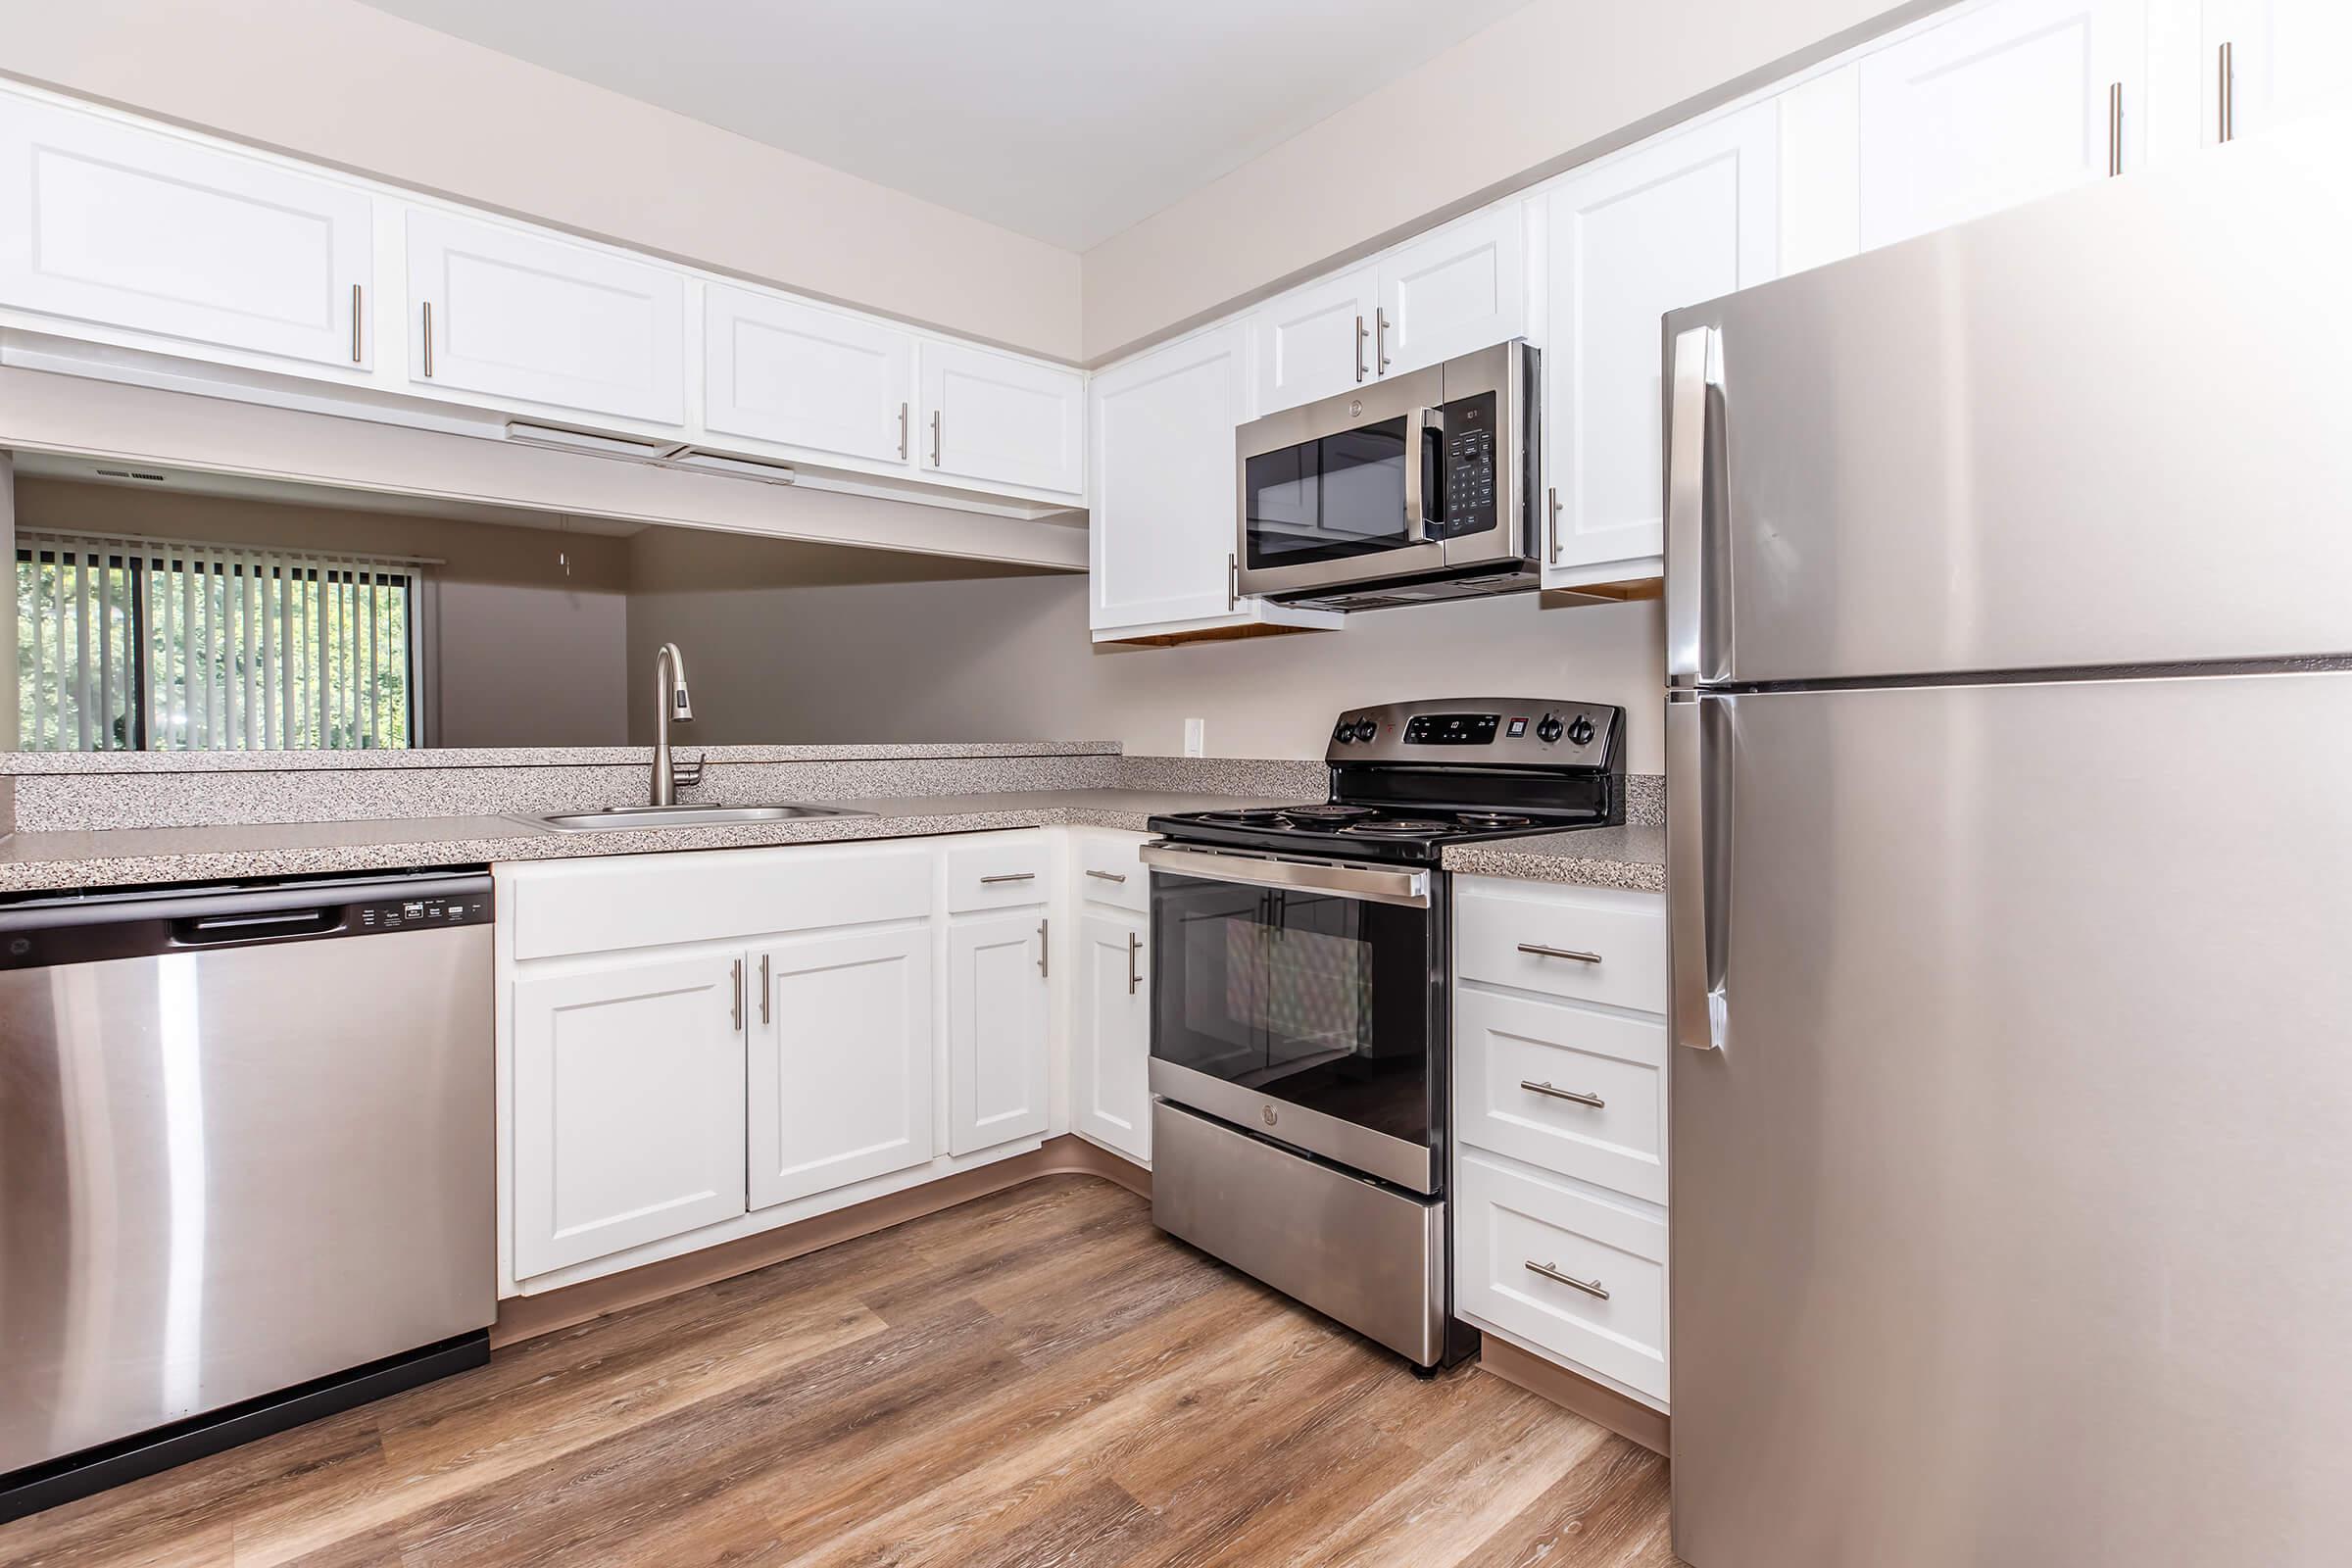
(1458, 290)
(627, 1104)
(1314, 341)
(512, 314)
(776, 369)
(998, 1069)
(1667, 224)
(1998, 105)
(114, 224)
(2285, 59)
(993, 417)
(840, 1060)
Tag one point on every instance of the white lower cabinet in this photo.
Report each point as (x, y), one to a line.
(627, 1111)
(1111, 1044)
(840, 1060)
(998, 1020)
(1560, 1091)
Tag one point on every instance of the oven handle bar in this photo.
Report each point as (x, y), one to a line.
(1369, 883)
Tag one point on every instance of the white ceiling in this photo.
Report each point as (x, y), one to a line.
(1064, 119)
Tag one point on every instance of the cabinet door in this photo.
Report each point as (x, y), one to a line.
(1164, 474)
(996, 1072)
(1110, 1048)
(994, 418)
(1460, 289)
(518, 315)
(111, 223)
(2287, 59)
(776, 369)
(840, 1060)
(1313, 341)
(1665, 224)
(1996, 105)
(628, 1105)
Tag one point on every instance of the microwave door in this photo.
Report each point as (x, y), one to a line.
(1340, 491)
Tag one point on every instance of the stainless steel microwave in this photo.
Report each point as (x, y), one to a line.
(1419, 487)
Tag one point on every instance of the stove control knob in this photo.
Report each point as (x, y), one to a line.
(1549, 729)
(1579, 732)
(1345, 733)
(1365, 729)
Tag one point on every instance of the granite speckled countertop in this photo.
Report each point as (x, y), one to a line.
(1630, 858)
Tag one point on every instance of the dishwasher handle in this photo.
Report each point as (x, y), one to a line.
(198, 931)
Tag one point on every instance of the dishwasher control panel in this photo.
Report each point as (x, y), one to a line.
(407, 914)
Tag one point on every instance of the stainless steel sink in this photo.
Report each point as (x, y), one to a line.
(615, 817)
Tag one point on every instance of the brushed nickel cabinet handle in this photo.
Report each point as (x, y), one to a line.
(1009, 876)
(1536, 949)
(1380, 316)
(1552, 503)
(1233, 583)
(428, 340)
(1360, 335)
(354, 323)
(735, 983)
(1135, 977)
(1106, 876)
(935, 438)
(1551, 1271)
(903, 432)
(1595, 1101)
(1044, 932)
(2225, 96)
(763, 990)
(2115, 129)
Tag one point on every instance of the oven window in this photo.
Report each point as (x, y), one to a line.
(1317, 1001)
(1325, 500)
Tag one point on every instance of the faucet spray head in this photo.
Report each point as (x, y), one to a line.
(682, 707)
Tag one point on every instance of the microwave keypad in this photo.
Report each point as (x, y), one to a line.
(1469, 493)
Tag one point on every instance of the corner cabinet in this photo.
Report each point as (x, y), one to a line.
(111, 223)
(1163, 524)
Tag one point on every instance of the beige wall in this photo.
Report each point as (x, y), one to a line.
(1537, 92)
(528, 655)
(346, 85)
(1008, 658)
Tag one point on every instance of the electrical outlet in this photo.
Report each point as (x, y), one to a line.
(1195, 737)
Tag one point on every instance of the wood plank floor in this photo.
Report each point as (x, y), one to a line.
(1034, 1378)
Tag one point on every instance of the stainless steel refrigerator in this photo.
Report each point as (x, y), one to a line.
(2009, 751)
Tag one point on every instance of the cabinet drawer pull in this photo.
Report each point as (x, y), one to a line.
(1551, 1271)
(902, 432)
(1536, 949)
(1595, 1101)
(935, 437)
(1135, 977)
(2226, 95)
(1106, 876)
(1379, 338)
(764, 990)
(2115, 130)
(1010, 876)
(1360, 335)
(735, 984)
(356, 297)
(1044, 933)
(428, 340)
(1552, 507)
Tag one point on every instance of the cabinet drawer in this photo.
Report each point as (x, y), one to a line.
(1511, 1225)
(999, 873)
(1593, 946)
(1110, 871)
(1575, 1057)
(653, 901)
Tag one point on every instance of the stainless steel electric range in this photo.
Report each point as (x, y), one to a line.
(1300, 1024)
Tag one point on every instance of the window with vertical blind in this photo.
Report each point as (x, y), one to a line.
(164, 645)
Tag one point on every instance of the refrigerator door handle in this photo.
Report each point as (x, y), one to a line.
(1698, 767)
(1691, 441)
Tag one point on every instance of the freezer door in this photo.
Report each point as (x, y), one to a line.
(2013, 1214)
(2112, 427)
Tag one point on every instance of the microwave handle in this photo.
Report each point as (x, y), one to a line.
(1418, 423)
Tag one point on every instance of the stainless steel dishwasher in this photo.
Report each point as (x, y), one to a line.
(245, 1164)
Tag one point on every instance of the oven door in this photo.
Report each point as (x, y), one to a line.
(1300, 1000)
(1342, 491)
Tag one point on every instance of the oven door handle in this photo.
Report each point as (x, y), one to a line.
(1372, 884)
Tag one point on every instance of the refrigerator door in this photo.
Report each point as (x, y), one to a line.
(2013, 1217)
(2112, 427)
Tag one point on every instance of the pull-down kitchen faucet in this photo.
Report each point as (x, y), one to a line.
(670, 702)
